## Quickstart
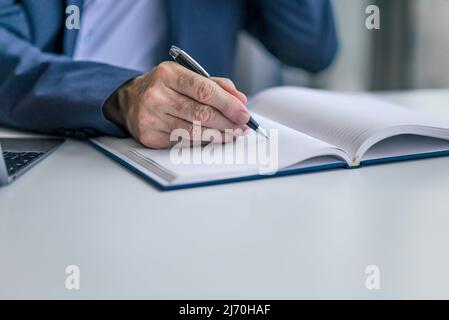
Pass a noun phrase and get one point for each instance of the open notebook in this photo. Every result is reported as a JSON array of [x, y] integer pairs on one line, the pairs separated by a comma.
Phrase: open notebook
[[313, 130]]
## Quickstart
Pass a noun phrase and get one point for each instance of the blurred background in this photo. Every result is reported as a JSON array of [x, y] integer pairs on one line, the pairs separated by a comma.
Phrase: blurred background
[[410, 51]]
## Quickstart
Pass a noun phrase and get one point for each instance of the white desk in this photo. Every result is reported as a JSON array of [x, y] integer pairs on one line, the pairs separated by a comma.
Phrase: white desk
[[306, 236]]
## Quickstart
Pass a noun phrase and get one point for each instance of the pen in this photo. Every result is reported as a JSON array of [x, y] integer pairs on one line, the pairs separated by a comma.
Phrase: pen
[[188, 62]]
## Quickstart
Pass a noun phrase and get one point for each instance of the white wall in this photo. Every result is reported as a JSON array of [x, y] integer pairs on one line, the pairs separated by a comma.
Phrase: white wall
[[430, 60]]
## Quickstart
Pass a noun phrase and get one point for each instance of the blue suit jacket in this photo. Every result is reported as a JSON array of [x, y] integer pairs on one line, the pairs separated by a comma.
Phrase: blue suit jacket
[[42, 89]]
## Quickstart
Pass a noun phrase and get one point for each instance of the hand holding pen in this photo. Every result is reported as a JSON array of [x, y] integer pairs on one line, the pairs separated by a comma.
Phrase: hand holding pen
[[188, 62], [172, 97]]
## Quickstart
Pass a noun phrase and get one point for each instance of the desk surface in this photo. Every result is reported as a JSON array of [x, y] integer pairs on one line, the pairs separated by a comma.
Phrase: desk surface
[[306, 236]]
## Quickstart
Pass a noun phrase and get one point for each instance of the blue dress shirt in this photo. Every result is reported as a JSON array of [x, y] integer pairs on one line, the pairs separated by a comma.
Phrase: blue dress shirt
[[126, 33]]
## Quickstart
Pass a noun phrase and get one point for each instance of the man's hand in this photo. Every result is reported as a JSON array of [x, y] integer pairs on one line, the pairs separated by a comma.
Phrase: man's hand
[[171, 97]]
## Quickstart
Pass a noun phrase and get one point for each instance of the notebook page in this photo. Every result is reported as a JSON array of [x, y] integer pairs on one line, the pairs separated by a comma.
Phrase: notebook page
[[404, 145], [286, 148], [346, 121]]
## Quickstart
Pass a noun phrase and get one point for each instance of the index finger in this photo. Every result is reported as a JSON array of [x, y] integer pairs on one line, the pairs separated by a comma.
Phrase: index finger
[[207, 92], [229, 86]]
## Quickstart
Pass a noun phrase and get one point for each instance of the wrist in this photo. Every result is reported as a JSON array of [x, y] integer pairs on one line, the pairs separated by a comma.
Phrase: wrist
[[113, 108]]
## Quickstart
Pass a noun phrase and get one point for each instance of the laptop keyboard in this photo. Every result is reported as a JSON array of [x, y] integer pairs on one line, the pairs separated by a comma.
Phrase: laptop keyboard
[[16, 161]]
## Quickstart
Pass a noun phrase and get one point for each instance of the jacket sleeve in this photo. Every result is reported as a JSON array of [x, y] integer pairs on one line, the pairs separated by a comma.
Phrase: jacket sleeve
[[300, 33], [51, 93]]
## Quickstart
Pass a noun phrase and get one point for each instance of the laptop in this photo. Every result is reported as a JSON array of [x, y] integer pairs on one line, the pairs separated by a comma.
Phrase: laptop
[[17, 156]]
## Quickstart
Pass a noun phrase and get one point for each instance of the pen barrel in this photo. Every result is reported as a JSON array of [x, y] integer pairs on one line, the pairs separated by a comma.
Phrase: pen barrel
[[187, 64]]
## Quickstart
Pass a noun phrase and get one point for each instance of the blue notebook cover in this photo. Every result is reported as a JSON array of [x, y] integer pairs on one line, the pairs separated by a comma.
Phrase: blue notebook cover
[[406, 158]]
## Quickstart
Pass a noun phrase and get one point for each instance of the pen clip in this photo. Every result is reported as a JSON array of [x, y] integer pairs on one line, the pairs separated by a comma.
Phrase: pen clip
[[178, 54]]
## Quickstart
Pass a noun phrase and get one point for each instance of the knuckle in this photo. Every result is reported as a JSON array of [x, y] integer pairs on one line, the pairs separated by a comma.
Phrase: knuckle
[[157, 72], [164, 67], [163, 70], [151, 95], [203, 114], [205, 91]]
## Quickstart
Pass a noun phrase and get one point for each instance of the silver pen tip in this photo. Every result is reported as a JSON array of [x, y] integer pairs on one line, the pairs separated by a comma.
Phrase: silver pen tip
[[262, 132]]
